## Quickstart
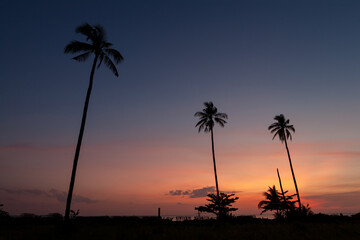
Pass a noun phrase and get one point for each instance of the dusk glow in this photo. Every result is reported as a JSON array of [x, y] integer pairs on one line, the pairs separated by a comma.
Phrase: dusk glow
[[141, 150]]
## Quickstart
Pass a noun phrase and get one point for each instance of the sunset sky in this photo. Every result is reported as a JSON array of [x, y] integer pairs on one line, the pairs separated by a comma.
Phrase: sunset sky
[[141, 150]]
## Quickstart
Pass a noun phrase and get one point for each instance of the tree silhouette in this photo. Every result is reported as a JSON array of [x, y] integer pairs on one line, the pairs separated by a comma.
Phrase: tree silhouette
[[275, 202], [98, 46], [283, 130], [208, 117], [219, 205]]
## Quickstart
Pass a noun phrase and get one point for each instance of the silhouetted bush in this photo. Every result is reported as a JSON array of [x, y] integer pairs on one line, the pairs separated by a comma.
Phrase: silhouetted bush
[[220, 206]]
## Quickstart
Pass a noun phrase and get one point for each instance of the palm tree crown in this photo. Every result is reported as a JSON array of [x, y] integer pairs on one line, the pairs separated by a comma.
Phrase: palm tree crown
[[97, 45], [209, 116], [281, 128]]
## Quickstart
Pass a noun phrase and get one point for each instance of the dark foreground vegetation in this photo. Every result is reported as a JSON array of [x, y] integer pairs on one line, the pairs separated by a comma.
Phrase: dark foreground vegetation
[[317, 226]]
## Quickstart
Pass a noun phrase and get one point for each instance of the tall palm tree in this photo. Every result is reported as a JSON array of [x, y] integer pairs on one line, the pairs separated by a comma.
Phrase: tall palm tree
[[98, 46], [283, 130], [208, 117]]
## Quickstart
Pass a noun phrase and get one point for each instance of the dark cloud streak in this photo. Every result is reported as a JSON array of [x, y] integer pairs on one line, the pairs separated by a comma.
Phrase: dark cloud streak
[[196, 193], [344, 199], [53, 193]]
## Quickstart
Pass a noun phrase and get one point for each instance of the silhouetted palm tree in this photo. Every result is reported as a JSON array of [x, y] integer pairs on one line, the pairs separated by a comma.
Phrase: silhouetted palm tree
[[282, 129], [98, 46], [274, 202], [208, 117]]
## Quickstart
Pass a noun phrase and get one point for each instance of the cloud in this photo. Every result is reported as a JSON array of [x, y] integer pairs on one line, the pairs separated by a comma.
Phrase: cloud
[[62, 196], [176, 192], [34, 192], [195, 193], [344, 199], [53, 193], [201, 192]]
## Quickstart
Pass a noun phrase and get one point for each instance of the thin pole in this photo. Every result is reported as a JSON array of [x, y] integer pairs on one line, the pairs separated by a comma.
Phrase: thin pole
[[282, 191]]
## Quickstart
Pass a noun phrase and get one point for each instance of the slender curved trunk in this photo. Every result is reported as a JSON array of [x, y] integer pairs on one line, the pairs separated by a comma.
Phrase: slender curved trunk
[[216, 180], [78, 146], [213, 153], [293, 175], [282, 191]]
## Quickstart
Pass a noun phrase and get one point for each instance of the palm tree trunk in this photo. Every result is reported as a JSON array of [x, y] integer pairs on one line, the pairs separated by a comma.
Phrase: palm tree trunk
[[293, 174], [213, 153], [282, 191], [78, 146]]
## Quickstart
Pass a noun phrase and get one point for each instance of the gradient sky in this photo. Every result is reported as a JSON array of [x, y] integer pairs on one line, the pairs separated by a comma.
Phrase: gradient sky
[[141, 151]]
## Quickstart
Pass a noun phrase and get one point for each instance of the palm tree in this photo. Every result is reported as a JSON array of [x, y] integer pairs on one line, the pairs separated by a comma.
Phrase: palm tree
[[274, 202], [283, 130], [208, 117], [98, 46]]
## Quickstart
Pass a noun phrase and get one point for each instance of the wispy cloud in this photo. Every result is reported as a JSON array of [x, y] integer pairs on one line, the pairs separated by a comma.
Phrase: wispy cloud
[[52, 193], [61, 197], [343, 199], [197, 192]]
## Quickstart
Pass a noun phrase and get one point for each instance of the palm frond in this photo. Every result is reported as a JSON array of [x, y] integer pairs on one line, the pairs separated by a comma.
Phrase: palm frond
[[86, 30], [200, 114], [114, 54], [100, 32], [263, 202], [101, 58], [106, 44], [274, 125], [277, 133], [201, 127], [220, 121], [221, 115], [291, 127], [288, 134], [275, 129], [110, 65], [82, 57], [76, 46]]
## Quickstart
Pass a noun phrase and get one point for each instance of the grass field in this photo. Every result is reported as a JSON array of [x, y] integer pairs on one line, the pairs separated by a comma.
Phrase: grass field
[[151, 228]]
